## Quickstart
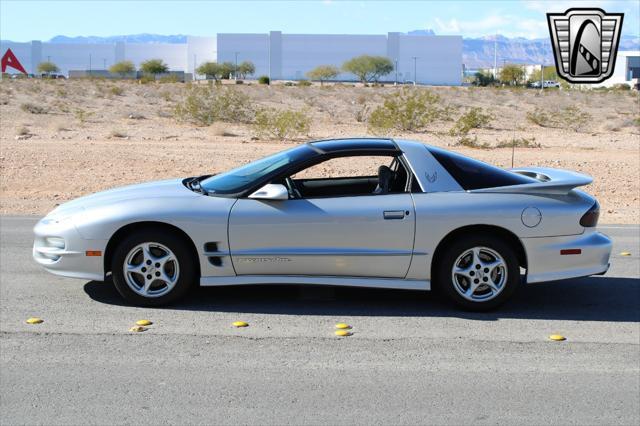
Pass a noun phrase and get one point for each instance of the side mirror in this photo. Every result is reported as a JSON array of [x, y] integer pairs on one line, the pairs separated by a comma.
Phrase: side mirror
[[271, 191]]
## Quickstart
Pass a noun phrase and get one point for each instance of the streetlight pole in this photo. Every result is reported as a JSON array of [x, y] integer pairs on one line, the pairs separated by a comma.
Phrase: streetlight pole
[[495, 57], [396, 83], [415, 68]]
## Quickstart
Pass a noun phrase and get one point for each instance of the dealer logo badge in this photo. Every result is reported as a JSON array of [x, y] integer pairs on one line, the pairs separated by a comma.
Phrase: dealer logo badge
[[585, 43]]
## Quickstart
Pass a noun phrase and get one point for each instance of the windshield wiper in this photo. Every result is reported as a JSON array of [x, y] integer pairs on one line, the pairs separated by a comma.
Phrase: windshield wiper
[[194, 185]]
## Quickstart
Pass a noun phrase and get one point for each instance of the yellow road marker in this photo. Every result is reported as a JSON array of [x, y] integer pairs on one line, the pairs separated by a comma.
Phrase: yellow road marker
[[625, 253], [343, 326], [343, 333], [240, 324], [144, 322], [137, 329], [34, 320], [557, 337]]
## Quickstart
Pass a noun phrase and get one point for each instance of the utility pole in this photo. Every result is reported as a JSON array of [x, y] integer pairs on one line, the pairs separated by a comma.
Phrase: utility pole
[[235, 70], [48, 58], [541, 77], [89, 63], [415, 76], [104, 63], [396, 83]]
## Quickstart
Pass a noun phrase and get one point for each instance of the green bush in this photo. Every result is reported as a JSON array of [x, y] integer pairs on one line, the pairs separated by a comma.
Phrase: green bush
[[154, 66], [368, 68], [483, 79], [472, 119], [323, 73], [212, 70], [264, 79], [123, 68], [277, 124], [147, 78], [206, 105], [303, 83], [245, 69], [47, 67], [408, 110]]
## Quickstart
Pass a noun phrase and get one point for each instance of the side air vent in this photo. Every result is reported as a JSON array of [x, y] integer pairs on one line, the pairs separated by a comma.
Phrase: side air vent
[[215, 260], [212, 253], [210, 247]]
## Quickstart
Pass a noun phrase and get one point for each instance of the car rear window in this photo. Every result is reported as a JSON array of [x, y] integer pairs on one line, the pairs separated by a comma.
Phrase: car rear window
[[474, 174]]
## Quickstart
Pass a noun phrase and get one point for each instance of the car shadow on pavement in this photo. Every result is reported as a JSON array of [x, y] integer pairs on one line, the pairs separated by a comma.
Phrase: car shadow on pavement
[[591, 299]]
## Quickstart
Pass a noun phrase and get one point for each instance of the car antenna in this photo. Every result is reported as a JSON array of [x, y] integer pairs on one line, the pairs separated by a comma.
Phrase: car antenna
[[513, 148]]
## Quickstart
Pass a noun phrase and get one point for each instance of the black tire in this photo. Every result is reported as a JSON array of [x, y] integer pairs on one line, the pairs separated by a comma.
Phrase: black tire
[[186, 266], [445, 281]]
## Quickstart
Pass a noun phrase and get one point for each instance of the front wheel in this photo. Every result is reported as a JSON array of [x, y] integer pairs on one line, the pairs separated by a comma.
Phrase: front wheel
[[152, 269], [478, 273]]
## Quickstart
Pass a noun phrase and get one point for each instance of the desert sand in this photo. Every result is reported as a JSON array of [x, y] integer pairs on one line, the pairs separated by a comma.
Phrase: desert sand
[[89, 136]]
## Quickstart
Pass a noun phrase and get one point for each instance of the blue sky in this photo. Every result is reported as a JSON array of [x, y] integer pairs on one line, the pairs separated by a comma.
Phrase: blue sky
[[23, 20]]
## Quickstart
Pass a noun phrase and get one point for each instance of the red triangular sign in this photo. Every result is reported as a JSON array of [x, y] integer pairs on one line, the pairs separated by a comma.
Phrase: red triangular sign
[[10, 60]]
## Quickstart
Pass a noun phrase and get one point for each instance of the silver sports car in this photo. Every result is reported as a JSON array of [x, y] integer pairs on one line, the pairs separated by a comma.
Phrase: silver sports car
[[429, 217]]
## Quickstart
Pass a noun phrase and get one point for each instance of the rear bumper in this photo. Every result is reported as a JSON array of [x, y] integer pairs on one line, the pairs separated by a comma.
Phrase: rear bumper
[[545, 263]]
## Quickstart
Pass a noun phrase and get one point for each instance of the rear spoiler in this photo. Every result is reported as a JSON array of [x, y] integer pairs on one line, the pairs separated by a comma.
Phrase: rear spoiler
[[550, 181]]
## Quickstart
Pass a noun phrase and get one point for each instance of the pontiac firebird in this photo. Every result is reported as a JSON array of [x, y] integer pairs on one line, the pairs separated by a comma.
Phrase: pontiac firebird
[[429, 218]]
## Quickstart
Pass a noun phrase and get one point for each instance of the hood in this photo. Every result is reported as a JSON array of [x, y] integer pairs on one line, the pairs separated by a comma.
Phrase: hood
[[172, 188]]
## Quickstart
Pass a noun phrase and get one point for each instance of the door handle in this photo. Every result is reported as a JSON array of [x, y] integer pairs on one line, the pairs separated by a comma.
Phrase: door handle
[[394, 214]]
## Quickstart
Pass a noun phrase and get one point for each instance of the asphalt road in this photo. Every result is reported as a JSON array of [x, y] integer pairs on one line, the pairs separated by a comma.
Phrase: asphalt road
[[412, 359]]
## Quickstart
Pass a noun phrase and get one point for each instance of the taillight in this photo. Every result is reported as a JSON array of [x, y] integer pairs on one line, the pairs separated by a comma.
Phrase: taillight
[[590, 218]]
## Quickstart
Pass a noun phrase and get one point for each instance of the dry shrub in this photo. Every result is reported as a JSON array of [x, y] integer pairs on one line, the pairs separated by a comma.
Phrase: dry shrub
[[33, 108], [570, 117], [474, 118], [407, 110], [281, 125], [117, 134], [519, 143], [206, 105]]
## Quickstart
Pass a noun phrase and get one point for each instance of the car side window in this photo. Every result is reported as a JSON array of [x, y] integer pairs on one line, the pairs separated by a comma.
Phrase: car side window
[[350, 176]]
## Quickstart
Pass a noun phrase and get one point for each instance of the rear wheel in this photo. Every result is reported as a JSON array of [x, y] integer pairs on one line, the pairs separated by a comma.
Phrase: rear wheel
[[152, 270], [478, 273]]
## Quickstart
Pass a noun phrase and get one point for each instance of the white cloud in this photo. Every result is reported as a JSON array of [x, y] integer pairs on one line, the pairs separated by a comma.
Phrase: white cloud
[[488, 25], [509, 26], [562, 5]]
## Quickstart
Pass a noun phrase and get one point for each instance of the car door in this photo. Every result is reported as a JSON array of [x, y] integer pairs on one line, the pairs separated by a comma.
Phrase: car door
[[356, 236]]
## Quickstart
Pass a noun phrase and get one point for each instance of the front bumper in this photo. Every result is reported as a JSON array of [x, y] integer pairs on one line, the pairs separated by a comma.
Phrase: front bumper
[[61, 250], [546, 263]]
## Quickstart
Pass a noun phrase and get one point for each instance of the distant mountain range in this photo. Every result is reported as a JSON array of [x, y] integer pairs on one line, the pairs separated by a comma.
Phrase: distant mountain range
[[476, 52]]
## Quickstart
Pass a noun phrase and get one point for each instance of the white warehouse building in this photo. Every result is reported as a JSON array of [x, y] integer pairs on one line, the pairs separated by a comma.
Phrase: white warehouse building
[[427, 59]]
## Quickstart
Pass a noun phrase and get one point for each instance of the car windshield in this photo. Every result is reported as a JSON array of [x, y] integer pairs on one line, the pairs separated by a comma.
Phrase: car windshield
[[237, 180]]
